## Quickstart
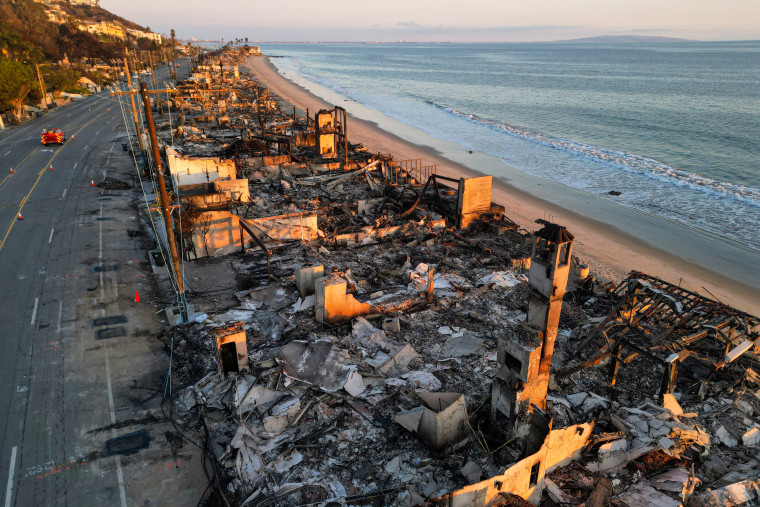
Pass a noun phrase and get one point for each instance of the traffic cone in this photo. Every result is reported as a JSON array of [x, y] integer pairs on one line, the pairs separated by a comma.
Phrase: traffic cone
[[88, 109], [92, 183], [109, 109], [51, 167], [72, 137], [137, 297], [11, 170], [19, 216]]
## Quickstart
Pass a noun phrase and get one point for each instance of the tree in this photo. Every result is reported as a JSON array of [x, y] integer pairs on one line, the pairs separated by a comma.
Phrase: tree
[[15, 85], [61, 79]]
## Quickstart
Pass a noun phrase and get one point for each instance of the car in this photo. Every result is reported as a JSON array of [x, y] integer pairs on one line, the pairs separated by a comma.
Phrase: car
[[53, 136]]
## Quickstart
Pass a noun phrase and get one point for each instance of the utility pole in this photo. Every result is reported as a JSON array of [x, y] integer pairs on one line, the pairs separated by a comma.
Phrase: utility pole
[[174, 68], [181, 302], [153, 75], [134, 108], [42, 87]]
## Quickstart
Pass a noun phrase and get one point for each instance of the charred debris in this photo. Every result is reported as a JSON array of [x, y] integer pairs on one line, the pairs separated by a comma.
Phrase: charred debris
[[365, 331]]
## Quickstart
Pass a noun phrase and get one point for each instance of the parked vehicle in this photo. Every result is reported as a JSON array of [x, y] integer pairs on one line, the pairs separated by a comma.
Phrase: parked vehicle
[[53, 136]]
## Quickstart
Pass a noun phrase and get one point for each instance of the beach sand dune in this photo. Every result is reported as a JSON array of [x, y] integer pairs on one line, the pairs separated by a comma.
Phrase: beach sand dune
[[626, 240]]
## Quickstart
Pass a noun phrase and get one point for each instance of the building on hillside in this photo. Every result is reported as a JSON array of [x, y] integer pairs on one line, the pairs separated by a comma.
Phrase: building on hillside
[[88, 84], [138, 34], [103, 28], [55, 14]]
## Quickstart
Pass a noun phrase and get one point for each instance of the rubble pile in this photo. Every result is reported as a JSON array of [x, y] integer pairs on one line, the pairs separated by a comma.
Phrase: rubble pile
[[390, 337]]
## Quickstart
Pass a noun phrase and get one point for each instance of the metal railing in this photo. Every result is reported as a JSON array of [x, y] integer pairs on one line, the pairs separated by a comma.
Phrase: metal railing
[[407, 172]]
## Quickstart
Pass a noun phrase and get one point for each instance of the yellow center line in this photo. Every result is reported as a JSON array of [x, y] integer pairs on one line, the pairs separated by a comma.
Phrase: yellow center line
[[39, 177], [20, 164]]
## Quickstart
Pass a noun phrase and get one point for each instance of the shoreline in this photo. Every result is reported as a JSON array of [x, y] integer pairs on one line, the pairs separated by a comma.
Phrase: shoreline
[[612, 248]]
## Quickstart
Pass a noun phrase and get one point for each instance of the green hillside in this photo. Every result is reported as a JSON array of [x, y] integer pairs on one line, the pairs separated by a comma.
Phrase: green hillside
[[55, 36]]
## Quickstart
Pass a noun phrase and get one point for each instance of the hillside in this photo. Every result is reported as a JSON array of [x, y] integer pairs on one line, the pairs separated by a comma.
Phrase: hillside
[[67, 42], [96, 14]]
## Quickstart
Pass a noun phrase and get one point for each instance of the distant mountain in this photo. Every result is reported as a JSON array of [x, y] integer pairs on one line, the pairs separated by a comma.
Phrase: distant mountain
[[626, 38]]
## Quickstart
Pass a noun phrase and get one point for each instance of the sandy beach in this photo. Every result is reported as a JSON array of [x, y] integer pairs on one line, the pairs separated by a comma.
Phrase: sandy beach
[[612, 239]]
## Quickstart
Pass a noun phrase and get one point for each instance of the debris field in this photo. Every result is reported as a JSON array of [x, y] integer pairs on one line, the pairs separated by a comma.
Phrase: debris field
[[364, 331]]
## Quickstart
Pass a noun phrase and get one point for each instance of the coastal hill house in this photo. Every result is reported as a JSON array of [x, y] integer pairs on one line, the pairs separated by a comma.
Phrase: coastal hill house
[[94, 3], [56, 13], [103, 28]]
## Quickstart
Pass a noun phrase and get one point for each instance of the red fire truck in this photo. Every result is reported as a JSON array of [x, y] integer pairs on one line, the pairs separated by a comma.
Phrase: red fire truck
[[50, 136]]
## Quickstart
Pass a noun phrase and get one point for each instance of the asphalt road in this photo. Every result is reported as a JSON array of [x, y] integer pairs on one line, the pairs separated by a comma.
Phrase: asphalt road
[[63, 390]]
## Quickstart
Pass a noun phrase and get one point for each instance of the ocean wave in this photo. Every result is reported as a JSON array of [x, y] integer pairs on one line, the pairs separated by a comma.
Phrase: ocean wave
[[622, 160]]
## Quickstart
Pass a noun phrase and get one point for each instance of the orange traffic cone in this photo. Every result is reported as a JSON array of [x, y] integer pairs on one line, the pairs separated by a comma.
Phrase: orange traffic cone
[[109, 109], [72, 137], [137, 297], [88, 109], [19, 216], [51, 167], [92, 183], [11, 170]]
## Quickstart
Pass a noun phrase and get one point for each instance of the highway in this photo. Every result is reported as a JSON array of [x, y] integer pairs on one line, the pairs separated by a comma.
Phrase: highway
[[65, 387]]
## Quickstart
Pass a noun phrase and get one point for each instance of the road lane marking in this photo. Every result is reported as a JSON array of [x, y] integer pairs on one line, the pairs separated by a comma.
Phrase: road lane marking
[[17, 133], [34, 312], [11, 472], [75, 164], [119, 473], [64, 193], [19, 164], [60, 316], [7, 154], [50, 239], [39, 176], [85, 147], [68, 115]]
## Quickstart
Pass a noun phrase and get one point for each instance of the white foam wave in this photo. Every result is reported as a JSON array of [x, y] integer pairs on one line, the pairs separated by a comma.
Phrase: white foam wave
[[626, 161]]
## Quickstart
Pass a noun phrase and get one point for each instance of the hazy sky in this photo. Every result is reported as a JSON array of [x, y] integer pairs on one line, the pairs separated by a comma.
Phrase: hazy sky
[[443, 20]]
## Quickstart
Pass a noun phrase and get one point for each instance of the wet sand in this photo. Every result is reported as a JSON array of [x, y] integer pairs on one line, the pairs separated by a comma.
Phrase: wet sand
[[611, 238]]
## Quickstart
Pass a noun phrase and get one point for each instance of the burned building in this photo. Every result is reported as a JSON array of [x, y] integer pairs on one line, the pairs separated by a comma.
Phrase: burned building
[[387, 335]]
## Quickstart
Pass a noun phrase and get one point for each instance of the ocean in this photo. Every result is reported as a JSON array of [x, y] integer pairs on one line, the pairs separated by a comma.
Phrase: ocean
[[674, 127]]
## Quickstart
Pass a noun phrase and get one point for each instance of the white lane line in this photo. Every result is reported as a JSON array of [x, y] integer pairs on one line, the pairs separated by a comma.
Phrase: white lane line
[[68, 115], [110, 391], [60, 316], [100, 235], [109, 153], [119, 473], [100, 256], [85, 147], [64, 193], [11, 472], [7, 154], [30, 137], [34, 312], [75, 165], [50, 239]]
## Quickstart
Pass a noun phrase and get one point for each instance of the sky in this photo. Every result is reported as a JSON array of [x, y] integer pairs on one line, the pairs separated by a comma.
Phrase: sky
[[443, 20]]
